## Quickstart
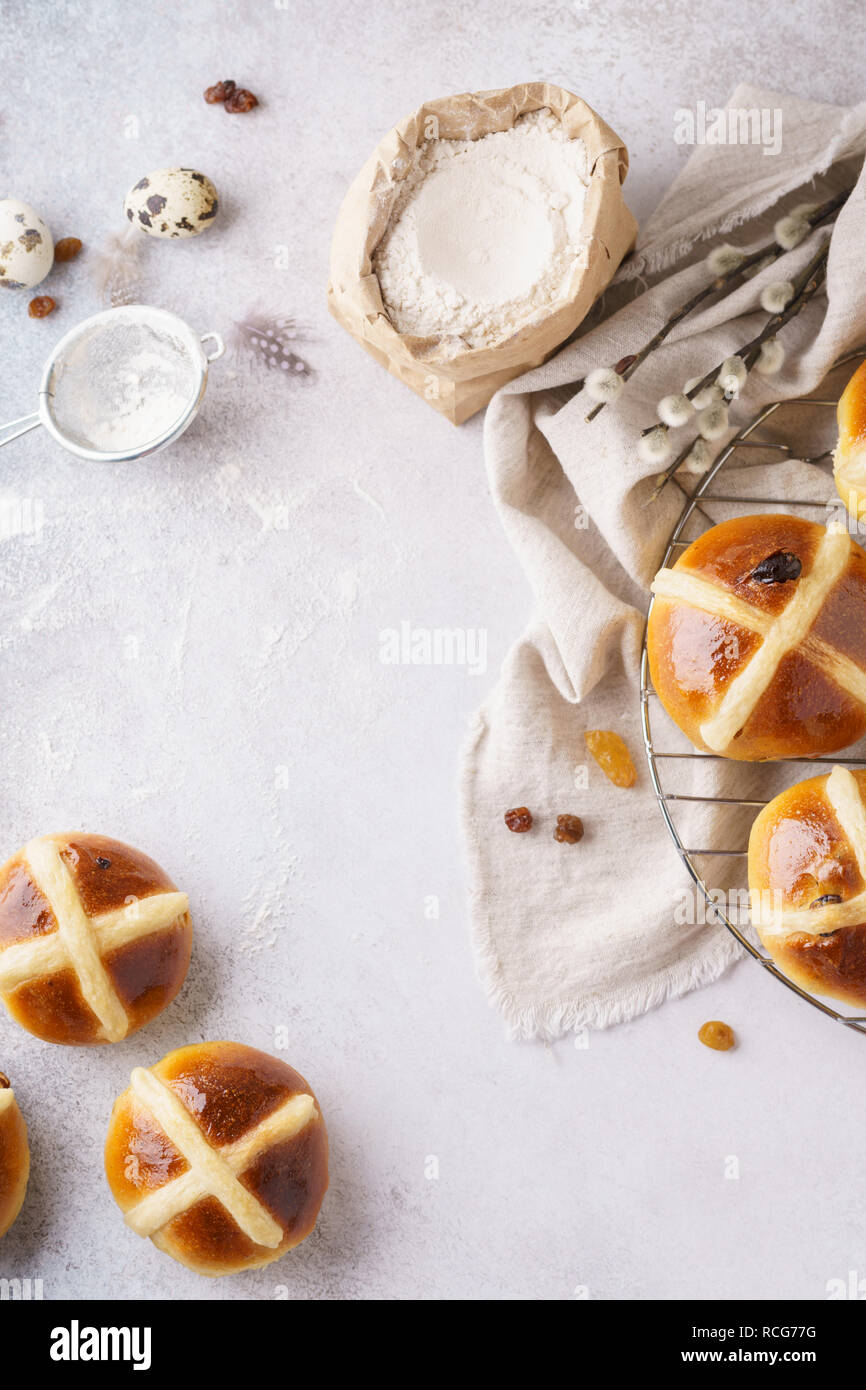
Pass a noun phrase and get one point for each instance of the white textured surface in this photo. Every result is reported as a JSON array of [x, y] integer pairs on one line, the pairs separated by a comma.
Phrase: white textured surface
[[189, 633]]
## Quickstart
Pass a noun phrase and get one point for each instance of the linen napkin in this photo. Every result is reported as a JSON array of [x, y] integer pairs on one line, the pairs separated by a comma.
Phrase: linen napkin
[[574, 936]]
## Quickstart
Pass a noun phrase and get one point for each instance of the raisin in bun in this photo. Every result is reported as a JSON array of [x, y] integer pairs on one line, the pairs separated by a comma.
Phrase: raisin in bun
[[849, 459], [757, 639], [14, 1156], [219, 1153], [94, 938], [807, 879]]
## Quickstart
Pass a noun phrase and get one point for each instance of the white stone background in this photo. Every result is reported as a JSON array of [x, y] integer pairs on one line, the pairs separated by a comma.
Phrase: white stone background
[[252, 568]]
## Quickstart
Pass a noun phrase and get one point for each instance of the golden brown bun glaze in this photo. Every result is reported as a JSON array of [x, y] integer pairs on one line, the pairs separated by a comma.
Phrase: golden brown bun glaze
[[230, 1092], [695, 655], [43, 990], [799, 854], [849, 460], [14, 1156]]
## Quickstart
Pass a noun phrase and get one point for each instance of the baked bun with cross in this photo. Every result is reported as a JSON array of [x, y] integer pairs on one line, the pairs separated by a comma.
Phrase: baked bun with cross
[[757, 639], [807, 882], [94, 938], [849, 458], [14, 1156], [219, 1153]]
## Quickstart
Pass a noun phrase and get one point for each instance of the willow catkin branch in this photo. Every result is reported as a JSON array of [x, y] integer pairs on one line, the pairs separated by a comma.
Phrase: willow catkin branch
[[671, 470], [805, 286], [770, 253]]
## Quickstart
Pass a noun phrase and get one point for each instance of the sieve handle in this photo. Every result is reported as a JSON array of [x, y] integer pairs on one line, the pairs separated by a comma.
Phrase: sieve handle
[[219, 346], [16, 427]]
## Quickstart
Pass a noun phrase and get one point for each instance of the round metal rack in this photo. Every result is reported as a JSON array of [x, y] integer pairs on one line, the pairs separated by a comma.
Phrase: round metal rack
[[672, 801]]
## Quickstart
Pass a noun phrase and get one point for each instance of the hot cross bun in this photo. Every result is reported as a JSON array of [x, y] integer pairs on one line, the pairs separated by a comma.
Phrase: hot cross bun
[[849, 459], [757, 639], [219, 1153], [807, 878], [14, 1156], [94, 938]]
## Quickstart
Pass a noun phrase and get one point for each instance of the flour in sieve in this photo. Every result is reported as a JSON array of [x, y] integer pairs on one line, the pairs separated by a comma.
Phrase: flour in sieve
[[485, 234], [121, 386]]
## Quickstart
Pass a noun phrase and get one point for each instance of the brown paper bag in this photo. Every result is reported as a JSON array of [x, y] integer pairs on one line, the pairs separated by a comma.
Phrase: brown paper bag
[[460, 384]]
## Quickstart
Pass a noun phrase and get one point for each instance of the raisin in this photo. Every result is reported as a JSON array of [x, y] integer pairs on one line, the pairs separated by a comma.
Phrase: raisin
[[103, 863], [779, 568], [718, 1036], [41, 306], [569, 829], [5, 1083], [67, 248], [519, 819], [241, 100], [219, 92], [827, 898], [612, 756]]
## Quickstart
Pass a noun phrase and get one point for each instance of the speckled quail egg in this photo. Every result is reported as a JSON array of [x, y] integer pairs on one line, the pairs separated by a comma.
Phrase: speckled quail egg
[[26, 247], [172, 203]]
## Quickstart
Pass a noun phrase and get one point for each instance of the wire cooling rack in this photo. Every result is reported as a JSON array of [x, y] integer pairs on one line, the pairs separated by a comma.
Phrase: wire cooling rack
[[670, 801]]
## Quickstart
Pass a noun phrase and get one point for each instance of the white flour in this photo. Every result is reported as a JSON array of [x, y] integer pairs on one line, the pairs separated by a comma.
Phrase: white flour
[[122, 386], [484, 233]]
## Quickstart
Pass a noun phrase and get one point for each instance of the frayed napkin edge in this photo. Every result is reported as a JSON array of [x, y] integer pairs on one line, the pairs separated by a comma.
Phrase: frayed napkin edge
[[556, 1018]]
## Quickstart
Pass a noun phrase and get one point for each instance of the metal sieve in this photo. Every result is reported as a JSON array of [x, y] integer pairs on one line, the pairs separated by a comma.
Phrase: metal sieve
[[167, 331]]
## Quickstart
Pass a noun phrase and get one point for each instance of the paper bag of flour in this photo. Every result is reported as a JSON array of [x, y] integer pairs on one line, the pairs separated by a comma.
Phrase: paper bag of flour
[[460, 382]]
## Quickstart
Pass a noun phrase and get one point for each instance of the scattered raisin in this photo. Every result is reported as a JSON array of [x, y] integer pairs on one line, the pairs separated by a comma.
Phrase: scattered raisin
[[103, 863], [569, 829], [5, 1083], [827, 898], [67, 248], [519, 819], [718, 1036], [612, 756], [778, 568], [240, 100], [219, 92], [41, 306]]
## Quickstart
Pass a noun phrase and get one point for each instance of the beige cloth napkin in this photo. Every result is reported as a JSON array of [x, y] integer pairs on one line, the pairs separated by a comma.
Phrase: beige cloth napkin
[[568, 937]]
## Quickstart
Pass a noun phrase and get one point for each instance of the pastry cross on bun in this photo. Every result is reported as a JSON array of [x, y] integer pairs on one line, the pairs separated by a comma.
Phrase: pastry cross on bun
[[94, 938], [14, 1156], [849, 459], [219, 1153], [807, 879], [757, 639]]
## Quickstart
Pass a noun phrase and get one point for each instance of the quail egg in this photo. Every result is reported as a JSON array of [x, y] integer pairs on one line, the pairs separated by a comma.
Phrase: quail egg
[[26, 247], [172, 203]]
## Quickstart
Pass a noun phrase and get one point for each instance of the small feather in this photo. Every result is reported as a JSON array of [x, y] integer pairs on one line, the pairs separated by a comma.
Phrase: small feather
[[270, 342], [117, 270]]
